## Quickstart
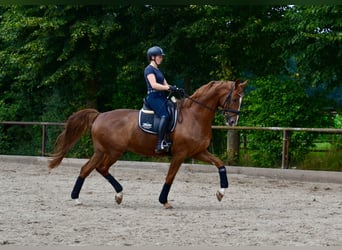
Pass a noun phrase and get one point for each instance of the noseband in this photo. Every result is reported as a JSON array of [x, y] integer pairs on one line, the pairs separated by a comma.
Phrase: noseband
[[226, 104]]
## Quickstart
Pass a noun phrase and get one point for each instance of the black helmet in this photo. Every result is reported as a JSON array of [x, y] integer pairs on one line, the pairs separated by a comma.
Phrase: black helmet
[[154, 51]]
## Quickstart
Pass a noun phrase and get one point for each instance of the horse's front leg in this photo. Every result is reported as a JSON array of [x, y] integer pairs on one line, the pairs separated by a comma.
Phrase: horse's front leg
[[208, 157], [175, 164]]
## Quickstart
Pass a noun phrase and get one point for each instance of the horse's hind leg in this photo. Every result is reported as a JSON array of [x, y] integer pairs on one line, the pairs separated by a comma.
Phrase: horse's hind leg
[[104, 171], [86, 169]]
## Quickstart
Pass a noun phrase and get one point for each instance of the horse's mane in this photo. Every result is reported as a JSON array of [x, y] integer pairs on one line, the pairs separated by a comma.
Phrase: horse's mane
[[198, 93]]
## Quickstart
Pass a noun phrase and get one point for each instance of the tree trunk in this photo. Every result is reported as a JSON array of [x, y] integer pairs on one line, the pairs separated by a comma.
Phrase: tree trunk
[[93, 88], [233, 147]]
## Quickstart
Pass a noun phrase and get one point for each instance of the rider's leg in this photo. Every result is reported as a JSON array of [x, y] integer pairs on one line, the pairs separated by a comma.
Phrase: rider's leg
[[158, 104], [161, 133]]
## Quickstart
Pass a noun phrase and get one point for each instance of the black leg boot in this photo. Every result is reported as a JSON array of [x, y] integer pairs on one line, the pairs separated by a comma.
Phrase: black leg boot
[[161, 134]]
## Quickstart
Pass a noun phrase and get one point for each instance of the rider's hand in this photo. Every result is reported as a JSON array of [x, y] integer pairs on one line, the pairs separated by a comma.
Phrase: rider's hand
[[178, 91], [181, 92], [173, 88]]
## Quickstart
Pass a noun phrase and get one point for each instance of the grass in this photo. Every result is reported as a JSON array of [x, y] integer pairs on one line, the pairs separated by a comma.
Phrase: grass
[[323, 146], [326, 161]]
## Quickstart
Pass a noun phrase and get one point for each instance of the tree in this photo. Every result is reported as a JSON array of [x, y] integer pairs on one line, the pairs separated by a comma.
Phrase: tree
[[59, 59], [298, 95], [311, 47], [281, 102], [52, 60]]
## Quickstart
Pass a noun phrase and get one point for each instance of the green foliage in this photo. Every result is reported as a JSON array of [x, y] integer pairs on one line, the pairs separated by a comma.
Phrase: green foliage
[[338, 121], [265, 148], [57, 59], [83, 148], [327, 161], [219, 138], [280, 102], [4, 142]]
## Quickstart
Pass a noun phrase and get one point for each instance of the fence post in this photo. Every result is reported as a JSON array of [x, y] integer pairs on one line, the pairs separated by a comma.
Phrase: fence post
[[43, 139], [285, 153]]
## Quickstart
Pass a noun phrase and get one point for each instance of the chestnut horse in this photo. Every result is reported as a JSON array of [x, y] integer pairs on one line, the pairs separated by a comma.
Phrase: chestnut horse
[[117, 131]]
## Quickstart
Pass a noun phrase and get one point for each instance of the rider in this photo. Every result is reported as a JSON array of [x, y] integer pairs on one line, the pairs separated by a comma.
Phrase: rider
[[157, 95]]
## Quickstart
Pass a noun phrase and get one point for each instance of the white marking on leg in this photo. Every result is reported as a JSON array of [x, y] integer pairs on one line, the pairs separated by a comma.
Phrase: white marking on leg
[[78, 202], [220, 194], [119, 197]]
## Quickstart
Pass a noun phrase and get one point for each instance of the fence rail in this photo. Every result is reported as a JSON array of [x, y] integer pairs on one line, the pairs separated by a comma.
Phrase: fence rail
[[285, 132], [42, 124], [286, 137]]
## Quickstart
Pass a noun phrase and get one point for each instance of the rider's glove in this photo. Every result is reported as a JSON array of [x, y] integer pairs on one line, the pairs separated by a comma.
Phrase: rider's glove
[[173, 88], [178, 91], [181, 92]]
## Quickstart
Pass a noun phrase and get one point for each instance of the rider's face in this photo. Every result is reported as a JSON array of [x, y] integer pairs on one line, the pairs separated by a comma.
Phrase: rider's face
[[159, 59]]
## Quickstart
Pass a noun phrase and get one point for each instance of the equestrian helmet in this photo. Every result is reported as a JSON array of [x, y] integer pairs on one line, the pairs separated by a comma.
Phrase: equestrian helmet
[[154, 51]]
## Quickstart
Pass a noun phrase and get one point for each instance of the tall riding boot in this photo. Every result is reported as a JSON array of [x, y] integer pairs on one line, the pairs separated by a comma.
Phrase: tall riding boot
[[161, 134]]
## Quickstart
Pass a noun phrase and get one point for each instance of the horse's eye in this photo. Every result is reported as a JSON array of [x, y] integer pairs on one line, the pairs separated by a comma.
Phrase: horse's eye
[[235, 100]]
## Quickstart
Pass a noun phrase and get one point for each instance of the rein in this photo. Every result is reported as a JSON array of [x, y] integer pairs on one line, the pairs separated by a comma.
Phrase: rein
[[222, 111], [199, 103]]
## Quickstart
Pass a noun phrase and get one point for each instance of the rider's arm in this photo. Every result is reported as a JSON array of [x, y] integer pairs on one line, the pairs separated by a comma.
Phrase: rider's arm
[[156, 86]]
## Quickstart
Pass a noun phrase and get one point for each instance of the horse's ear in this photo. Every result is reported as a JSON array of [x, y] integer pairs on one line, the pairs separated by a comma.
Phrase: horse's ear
[[237, 82], [242, 85]]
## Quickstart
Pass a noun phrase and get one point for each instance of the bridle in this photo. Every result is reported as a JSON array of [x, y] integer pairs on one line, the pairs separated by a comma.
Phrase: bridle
[[226, 103]]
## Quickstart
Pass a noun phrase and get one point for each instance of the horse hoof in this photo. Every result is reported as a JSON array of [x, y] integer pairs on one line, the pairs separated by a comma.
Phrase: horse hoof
[[118, 198], [78, 202], [219, 195], [168, 206]]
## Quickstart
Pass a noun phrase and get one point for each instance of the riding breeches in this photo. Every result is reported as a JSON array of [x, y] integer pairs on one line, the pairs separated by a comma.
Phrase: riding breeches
[[157, 101]]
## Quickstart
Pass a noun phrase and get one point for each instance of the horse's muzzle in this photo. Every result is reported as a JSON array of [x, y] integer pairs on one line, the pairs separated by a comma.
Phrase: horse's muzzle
[[231, 122]]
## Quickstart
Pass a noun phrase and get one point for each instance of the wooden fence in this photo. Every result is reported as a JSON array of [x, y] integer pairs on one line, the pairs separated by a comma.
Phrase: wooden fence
[[285, 132], [42, 124], [286, 136]]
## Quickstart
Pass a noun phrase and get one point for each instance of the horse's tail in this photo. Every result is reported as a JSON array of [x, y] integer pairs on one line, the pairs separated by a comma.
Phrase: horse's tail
[[76, 125]]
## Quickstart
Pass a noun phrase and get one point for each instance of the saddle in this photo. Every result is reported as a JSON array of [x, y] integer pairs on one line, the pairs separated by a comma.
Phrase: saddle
[[149, 121]]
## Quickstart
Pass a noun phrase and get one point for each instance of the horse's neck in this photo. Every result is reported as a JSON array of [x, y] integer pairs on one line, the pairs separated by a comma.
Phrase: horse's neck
[[203, 109]]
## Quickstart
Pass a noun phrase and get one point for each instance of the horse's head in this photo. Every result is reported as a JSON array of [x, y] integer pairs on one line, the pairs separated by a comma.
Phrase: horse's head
[[224, 94], [231, 103]]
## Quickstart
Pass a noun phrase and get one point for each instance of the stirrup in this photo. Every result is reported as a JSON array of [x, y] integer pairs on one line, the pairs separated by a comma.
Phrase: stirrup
[[164, 147]]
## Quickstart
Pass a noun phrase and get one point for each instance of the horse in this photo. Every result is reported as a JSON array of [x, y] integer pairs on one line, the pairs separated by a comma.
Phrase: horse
[[115, 132]]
